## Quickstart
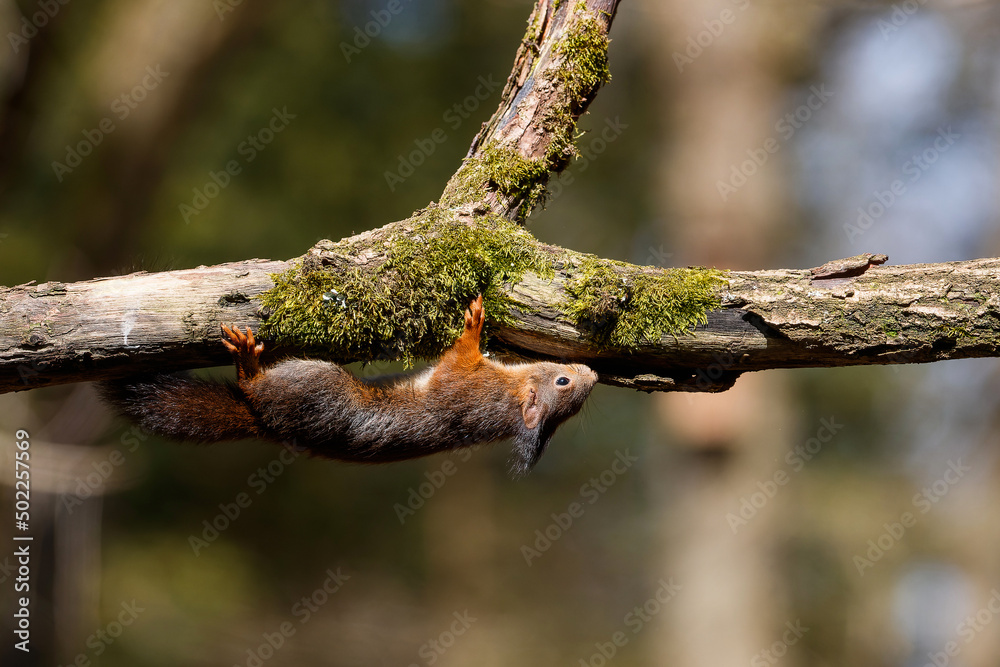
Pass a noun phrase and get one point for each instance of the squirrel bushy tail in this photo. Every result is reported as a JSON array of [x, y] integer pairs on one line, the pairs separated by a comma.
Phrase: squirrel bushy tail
[[184, 408]]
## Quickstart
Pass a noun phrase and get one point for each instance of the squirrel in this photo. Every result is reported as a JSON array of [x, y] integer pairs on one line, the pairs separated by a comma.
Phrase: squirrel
[[463, 400]]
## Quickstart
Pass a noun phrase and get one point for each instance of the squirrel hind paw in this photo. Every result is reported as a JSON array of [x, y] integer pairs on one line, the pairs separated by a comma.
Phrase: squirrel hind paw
[[238, 342]]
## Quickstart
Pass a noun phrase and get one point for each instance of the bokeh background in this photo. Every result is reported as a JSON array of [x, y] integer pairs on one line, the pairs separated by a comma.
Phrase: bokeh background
[[761, 526]]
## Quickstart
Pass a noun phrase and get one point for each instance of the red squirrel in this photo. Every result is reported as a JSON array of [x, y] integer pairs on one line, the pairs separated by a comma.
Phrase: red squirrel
[[464, 399]]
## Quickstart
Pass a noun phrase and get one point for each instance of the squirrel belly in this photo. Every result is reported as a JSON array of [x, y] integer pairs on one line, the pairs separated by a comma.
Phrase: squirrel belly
[[461, 401]]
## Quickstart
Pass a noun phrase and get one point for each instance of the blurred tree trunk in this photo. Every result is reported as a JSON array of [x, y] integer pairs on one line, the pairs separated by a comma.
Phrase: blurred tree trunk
[[720, 97], [182, 39]]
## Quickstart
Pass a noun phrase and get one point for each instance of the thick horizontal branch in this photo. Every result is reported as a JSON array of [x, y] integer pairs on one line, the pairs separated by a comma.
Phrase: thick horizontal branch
[[788, 319], [56, 333]]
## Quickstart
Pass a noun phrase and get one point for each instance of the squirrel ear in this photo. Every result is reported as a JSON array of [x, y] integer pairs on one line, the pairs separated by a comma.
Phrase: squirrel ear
[[530, 410]]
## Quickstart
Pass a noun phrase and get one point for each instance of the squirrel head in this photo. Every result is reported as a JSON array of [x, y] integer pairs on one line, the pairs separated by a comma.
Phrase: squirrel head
[[549, 395]]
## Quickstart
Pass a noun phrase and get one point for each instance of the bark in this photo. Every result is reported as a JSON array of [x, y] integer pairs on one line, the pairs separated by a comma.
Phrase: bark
[[787, 319], [55, 333], [110, 327]]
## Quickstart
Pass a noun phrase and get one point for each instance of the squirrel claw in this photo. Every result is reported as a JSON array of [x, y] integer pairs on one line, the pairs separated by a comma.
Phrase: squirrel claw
[[230, 339]]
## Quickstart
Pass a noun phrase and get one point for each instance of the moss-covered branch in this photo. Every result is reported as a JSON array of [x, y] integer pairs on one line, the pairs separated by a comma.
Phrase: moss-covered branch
[[398, 292], [561, 63]]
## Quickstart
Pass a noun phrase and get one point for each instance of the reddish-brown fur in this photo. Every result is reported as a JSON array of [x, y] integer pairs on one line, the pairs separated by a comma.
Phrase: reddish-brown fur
[[464, 399]]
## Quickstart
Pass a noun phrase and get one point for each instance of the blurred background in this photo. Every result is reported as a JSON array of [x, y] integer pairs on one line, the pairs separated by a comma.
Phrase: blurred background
[[808, 517]]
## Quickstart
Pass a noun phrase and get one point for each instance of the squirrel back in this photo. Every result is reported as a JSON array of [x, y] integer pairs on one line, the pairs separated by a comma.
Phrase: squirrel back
[[462, 400]]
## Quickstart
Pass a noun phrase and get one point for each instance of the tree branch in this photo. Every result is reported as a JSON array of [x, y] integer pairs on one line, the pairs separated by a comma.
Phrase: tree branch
[[56, 333], [398, 291]]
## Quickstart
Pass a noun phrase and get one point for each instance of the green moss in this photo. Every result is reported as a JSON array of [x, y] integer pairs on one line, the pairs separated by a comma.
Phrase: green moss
[[517, 178], [582, 69], [411, 305], [561, 128], [620, 305], [534, 31], [956, 332], [585, 48]]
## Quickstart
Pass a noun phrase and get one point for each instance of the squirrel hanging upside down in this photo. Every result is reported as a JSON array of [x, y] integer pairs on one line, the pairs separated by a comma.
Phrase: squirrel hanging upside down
[[462, 400]]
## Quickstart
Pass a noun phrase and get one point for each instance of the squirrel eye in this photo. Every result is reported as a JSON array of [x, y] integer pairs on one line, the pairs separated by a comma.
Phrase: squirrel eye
[[562, 381]]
